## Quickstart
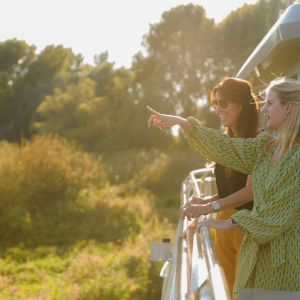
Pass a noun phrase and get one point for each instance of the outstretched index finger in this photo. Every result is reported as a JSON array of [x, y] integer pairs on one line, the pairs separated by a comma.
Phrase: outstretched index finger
[[153, 111]]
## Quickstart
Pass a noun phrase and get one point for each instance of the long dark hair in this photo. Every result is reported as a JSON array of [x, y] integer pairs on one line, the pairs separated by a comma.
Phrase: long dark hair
[[240, 91]]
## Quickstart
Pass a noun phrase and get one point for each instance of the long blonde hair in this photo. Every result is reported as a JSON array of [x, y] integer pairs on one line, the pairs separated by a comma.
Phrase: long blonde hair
[[288, 90]]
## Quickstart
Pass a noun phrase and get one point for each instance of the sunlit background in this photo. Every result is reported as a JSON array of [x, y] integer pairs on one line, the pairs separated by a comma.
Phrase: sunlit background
[[91, 27]]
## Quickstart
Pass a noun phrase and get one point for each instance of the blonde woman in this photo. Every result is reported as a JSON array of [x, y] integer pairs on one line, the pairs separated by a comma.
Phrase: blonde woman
[[269, 257]]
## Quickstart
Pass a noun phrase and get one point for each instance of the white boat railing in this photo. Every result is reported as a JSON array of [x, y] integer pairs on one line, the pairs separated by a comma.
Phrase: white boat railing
[[193, 271]]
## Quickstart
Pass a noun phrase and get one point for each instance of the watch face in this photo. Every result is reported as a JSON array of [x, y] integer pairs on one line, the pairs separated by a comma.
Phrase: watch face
[[215, 205]]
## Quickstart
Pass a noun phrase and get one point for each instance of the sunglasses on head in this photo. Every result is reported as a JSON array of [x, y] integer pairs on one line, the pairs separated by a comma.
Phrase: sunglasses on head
[[221, 102]]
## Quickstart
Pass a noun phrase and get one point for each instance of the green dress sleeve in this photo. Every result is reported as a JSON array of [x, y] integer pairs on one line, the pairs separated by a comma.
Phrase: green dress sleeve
[[271, 220], [277, 214], [238, 154]]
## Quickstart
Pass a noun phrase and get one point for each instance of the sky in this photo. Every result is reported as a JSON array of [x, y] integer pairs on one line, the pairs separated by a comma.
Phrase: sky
[[91, 27]]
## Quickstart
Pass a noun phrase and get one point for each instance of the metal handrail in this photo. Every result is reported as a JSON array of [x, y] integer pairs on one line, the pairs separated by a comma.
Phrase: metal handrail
[[217, 282], [194, 271]]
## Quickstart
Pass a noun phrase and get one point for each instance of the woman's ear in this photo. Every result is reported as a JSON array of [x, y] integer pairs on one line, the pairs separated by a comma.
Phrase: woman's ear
[[289, 107], [240, 106]]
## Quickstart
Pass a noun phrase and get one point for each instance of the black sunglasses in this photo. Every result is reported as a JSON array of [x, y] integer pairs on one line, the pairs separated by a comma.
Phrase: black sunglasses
[[221, 102]]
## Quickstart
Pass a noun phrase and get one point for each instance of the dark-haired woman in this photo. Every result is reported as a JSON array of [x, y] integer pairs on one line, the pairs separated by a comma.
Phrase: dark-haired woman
[[237, 108]]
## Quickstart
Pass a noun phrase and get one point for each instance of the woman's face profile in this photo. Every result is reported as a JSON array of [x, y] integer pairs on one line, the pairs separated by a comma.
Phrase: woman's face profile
[[229, 115], [274, 111]]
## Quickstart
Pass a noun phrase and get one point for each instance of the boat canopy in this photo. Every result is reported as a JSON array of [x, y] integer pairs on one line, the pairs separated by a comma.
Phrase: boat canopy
[[278, 54]]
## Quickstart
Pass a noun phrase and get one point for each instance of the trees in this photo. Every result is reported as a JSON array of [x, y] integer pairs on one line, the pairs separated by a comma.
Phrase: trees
[[181, 62], [25, 80], [15, 57], [104, 108]]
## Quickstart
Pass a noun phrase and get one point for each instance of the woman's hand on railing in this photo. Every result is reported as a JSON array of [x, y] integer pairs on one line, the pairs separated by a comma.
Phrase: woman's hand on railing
[[161, 120], [194, 211], [216, 224], [200, 201]]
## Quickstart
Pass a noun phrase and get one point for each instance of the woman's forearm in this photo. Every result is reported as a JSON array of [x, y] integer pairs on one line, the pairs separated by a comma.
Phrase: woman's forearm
[[232, 202], [184, 124], [213, 198], [239, 198]]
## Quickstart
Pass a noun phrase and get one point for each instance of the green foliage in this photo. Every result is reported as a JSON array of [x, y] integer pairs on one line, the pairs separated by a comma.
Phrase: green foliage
[[96, 113], [157, 171], [66, 233], [25, 79], [40, 183], [181, 65], [103, 108], [88, 270]]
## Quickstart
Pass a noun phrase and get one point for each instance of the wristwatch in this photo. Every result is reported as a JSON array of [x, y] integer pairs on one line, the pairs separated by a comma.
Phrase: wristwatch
[[234, 223], [216, 206]]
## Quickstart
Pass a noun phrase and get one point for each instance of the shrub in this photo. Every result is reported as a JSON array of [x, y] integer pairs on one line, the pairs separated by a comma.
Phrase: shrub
[[39, 181], [157, 171]]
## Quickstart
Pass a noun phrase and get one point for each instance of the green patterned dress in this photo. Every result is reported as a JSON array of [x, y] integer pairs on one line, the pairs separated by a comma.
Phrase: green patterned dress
[[269, 257]]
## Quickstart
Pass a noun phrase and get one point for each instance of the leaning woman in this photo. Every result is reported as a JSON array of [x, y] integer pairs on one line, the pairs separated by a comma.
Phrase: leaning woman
[[269, 257], [237, 108]]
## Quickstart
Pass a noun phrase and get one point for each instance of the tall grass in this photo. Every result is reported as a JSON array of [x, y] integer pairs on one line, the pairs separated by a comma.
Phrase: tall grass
[[115, 265]]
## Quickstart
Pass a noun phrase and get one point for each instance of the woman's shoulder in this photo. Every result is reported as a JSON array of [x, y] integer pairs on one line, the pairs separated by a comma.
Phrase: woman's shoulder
[[263, 136], [261, 131]]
